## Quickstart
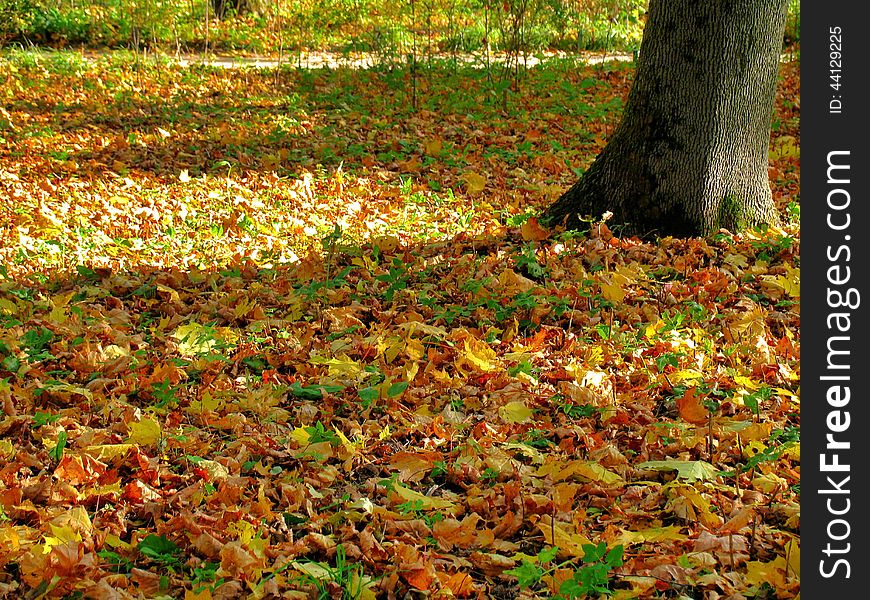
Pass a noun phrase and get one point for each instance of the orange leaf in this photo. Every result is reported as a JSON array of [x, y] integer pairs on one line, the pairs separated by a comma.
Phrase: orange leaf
[[740, 520], [692, 409], [532, 231], [460, 584]]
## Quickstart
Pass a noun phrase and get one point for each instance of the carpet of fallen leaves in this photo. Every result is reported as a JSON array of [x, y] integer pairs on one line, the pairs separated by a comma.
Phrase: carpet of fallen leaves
[[281, 334]]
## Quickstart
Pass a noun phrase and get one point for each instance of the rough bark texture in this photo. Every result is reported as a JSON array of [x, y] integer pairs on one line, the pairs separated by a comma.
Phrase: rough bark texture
[[690, 155]]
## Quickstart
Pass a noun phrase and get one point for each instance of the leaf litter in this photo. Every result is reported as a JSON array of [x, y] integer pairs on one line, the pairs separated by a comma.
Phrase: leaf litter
[[267, 333]]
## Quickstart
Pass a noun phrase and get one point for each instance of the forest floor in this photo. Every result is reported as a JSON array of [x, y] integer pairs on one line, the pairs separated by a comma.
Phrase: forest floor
[[297, 333]]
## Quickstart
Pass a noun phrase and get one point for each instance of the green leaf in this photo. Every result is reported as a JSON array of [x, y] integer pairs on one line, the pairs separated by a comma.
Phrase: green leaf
[[56, 453], [313, 392], [593, 553], [306, 392], [527, 574], [547, 554], [397, 389], [159, 548], [614, 557], [44, 418]]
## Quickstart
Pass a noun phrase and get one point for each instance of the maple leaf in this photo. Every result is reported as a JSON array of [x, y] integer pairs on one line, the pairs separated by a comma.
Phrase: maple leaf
[[515, 412], [145, 432], [480, 355], [475, 183], [690, 470], [532, 231], [560, 535], [421, 500], [691, 408]]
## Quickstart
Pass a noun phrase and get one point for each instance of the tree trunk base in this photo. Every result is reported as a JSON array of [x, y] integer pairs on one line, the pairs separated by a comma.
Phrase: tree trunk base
[[690, 154]]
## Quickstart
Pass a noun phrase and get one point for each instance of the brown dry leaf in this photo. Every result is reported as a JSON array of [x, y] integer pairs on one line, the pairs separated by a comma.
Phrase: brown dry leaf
[[413, 466], [415, 568], [687, 503], [740, 520], [463, 534], [492, 565]]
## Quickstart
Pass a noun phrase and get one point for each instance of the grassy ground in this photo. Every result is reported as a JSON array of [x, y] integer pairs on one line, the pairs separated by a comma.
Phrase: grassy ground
[[281, 332]]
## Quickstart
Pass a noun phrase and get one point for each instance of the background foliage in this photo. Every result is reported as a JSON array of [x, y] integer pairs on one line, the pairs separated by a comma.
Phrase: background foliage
[[273, 26]]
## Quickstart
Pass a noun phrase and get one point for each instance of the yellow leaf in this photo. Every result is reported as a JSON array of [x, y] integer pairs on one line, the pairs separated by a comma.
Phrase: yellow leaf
[[351, 448], [685, 375], [59, 536], [594, 472], [113, 541], [791, 281], [146, 432], [173, 295], [652, 330], [68, 527], [769, 483], [433, 147], [57, 315], [753, 448], [773, 573], [640, 588], [735, 260], [687, 503], [9, 539], [670, 533], [7, 450], [746, 382], [340, 366], [423, 501], [206, 405], [194, 338], [8, 307], [413, 466], [515, 412], [391, 347], [301, 436], [480, 355], [474, 183], [533, 453], [113, 352], [612, 292], [784, 146], [793, 557], [559, 535], [415, 350], [108, 451]]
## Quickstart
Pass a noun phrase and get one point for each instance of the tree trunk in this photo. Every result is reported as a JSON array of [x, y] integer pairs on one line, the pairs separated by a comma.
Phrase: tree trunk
[[222, 7], [690, 155]]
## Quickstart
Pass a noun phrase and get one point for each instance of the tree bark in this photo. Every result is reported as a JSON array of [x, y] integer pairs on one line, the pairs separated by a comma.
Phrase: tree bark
[[222, 7], [690, 154]]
